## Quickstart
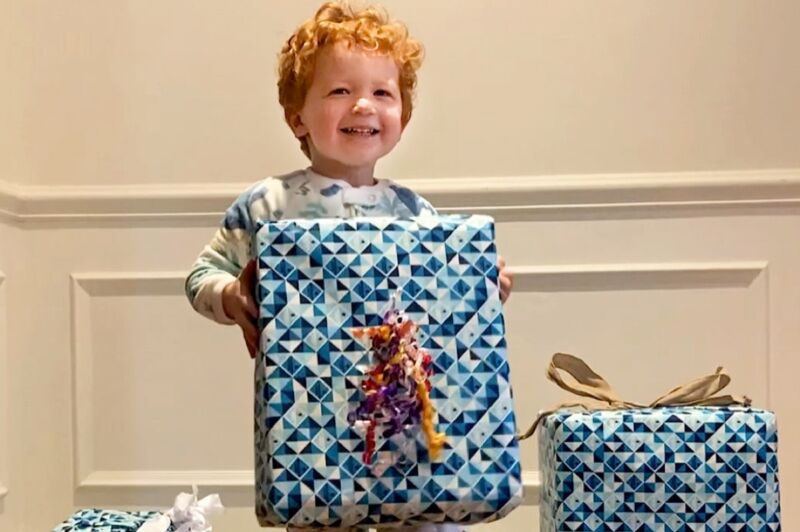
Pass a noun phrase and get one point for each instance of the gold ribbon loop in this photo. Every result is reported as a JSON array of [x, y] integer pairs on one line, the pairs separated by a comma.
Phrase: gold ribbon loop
[[696, 392], [586, 383]]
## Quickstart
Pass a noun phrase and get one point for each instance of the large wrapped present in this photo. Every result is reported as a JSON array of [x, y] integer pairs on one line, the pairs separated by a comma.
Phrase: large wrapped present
[[382, 385], [672, 468]]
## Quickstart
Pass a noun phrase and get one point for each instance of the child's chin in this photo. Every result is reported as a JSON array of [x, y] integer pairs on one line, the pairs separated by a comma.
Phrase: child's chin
[[361, 159], [361, 142], [361, 163]]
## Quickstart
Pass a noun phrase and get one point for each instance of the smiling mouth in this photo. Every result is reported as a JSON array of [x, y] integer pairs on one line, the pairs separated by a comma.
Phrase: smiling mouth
[[360, 131]]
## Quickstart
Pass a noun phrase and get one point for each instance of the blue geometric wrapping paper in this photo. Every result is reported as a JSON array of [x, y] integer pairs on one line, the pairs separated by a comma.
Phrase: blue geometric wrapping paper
[[319, 279], [664, 469], [97, 520]]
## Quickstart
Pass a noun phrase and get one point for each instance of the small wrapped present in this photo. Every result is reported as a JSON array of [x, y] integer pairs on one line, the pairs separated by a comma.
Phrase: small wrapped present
[[188, 514], [382, 385], [671, 465], [96, 520]]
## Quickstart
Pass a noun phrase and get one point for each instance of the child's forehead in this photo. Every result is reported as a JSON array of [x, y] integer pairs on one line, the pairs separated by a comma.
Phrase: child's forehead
[[343, 57], [344, 51]]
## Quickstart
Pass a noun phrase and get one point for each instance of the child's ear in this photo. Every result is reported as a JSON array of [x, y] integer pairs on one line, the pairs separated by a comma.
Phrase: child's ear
[[295, 122]]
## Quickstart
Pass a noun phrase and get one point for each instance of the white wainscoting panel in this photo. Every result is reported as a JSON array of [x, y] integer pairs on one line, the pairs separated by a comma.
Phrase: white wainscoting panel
[[147, 389]]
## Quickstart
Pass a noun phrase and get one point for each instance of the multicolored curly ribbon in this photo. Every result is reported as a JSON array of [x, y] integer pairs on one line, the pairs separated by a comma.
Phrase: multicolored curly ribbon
[[396, 389]]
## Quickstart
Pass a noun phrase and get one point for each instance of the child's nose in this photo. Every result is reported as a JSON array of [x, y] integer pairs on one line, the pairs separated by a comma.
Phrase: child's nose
[[363, 105]]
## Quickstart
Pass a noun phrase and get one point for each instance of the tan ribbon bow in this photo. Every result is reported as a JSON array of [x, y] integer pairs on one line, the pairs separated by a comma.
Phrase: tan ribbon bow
[[586, 383]]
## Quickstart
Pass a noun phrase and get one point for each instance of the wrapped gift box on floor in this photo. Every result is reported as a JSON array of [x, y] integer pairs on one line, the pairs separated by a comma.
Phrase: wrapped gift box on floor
[[317, 281], [96, 520], [187, 514], [672, 468]]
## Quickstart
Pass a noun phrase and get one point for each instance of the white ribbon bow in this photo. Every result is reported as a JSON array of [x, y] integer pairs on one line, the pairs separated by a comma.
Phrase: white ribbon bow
[[187, 515]]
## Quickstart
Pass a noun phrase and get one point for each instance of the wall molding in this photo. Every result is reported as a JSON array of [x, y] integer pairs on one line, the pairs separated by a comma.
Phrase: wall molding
[[83, 287], [654, 276], [636, 276], [222, 479], [513, 197]]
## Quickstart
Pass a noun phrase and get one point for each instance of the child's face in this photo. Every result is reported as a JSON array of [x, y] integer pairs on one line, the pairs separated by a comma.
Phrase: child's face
[[352, 111]]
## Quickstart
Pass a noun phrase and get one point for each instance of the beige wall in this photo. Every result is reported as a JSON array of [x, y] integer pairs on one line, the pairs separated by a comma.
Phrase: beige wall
[[653, 277], [183, 92]]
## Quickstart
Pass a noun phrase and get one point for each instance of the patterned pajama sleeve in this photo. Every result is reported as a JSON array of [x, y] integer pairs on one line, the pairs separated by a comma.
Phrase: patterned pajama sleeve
[[224, 257]]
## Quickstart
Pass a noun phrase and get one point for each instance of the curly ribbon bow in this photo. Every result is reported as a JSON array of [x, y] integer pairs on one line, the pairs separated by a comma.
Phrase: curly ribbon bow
[[397, 388], [586, 383], [187, 515]]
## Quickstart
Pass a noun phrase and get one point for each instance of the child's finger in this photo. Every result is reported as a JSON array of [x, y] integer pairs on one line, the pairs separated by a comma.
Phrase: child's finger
[[251, 345], [247, 280], [248, 326], [248, 275], [510, 280], [249, 304], [505, 287], [250, 334]]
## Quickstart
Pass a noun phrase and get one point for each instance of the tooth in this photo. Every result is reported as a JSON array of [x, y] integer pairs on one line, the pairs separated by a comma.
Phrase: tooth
[[364, 131]]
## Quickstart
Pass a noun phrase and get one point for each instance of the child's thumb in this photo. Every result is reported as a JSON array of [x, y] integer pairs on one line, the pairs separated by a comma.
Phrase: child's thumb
[[248, 273]]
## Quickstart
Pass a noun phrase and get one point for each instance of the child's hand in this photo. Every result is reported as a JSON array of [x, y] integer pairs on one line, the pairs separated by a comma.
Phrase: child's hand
[[506, 279], [240, 305]]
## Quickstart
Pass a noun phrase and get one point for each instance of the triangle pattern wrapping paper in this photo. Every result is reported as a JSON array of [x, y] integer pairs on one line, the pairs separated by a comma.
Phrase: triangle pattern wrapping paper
[[666, 469], [319, 279], [99, 520]]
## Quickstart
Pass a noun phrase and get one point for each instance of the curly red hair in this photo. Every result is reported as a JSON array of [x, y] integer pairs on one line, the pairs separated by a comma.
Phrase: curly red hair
[[369, 29]]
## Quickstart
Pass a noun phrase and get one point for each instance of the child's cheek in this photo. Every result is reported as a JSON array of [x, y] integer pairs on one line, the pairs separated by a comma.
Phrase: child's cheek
[[327, 118], [394, 112]]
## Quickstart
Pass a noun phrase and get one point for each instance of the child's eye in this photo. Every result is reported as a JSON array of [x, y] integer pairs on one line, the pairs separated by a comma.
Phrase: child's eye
[[382, 92], [338, 90]]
